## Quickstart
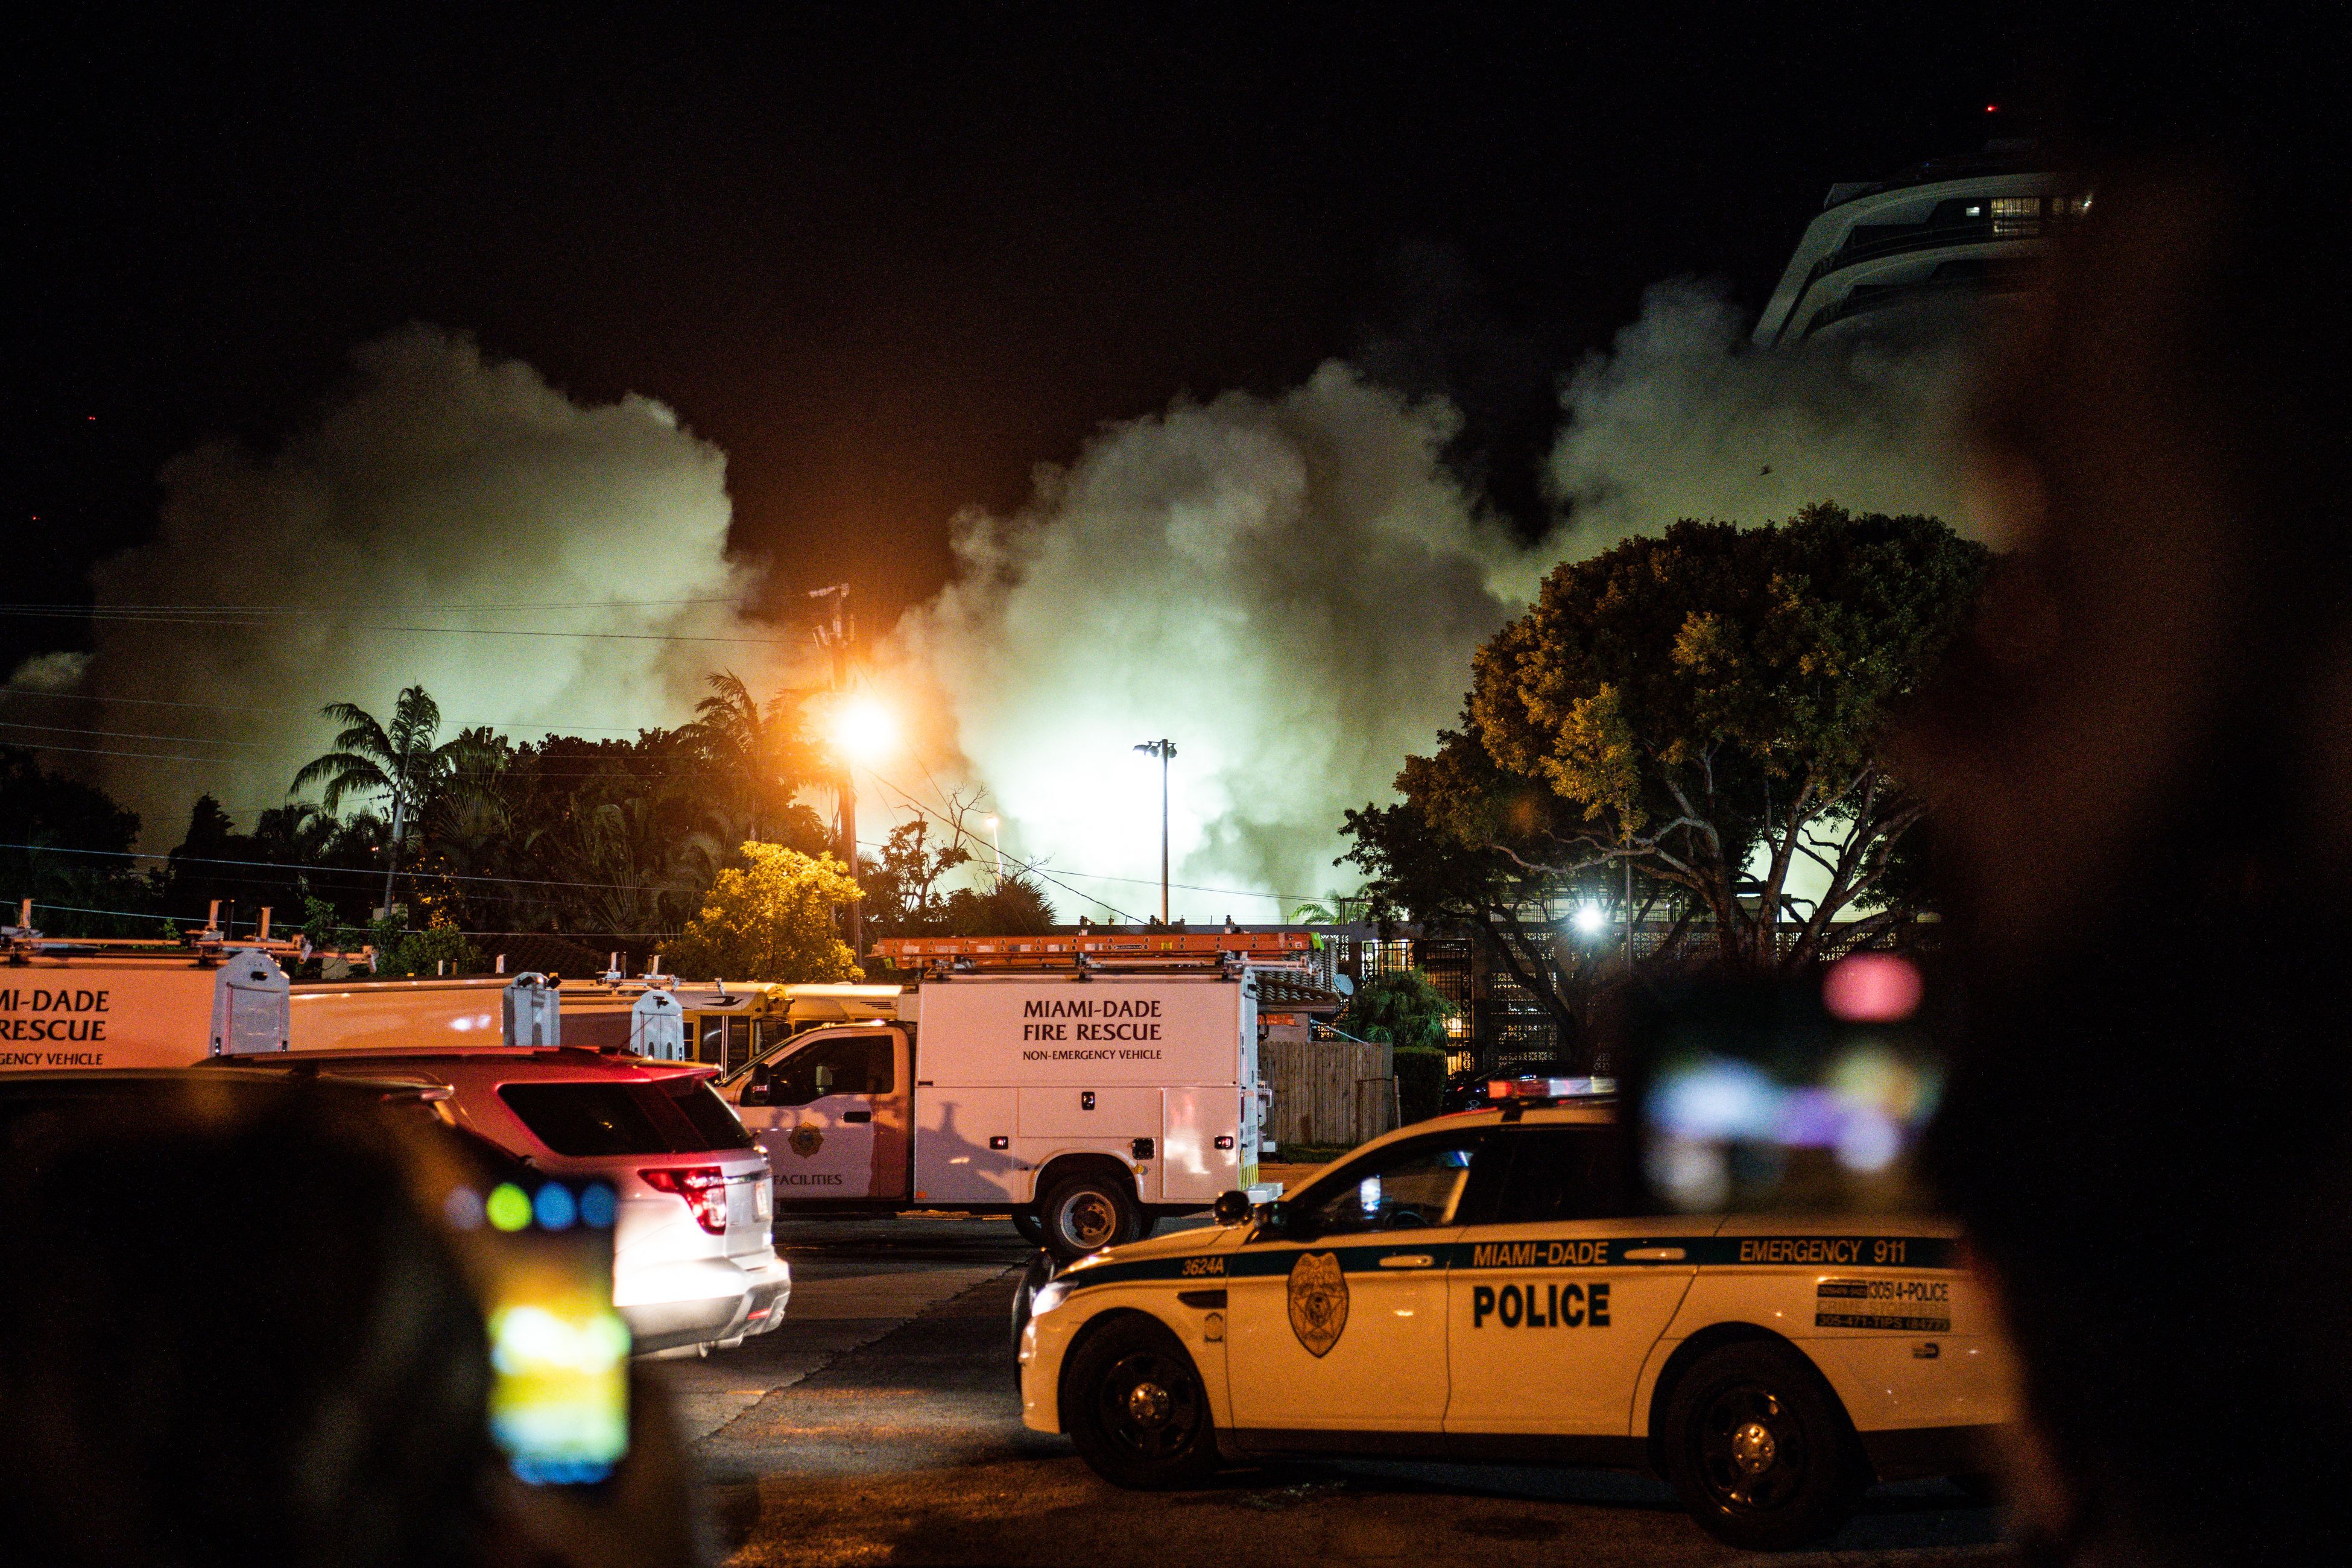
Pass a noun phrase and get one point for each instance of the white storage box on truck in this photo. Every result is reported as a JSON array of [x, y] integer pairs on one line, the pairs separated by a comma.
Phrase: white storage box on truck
[[1086, 1103]]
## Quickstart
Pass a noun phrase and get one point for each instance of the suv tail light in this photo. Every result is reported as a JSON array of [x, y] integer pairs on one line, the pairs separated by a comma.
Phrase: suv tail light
[[704, 1188]]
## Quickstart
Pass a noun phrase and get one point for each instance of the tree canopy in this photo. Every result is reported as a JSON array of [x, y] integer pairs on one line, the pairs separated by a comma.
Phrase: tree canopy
[[770, 919], [1705, 706]]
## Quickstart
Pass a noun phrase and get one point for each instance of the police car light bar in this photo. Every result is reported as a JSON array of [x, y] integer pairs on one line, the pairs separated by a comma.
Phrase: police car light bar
[[1531, 1087]]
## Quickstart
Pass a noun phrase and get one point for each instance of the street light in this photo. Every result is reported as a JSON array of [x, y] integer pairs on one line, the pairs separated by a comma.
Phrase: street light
[[1588, 919], [864, 730], [1165, 752]]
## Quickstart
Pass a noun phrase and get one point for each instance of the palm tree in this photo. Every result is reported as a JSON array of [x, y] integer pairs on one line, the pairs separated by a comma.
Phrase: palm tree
[[397, 762], [1333, 908], [761, 755]]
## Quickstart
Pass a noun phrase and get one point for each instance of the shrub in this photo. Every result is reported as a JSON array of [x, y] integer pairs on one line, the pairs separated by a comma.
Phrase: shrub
[[1401, 1008]]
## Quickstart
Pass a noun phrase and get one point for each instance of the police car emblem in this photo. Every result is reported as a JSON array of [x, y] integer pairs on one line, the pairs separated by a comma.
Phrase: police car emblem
[[806, 1140], [1318, 1301]]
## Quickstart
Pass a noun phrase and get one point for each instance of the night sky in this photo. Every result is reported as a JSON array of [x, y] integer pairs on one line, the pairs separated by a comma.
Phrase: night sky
[[891, 258]]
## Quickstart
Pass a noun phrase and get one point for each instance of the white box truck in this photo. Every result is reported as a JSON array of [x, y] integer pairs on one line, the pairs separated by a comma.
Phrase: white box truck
[[1086, 1103]]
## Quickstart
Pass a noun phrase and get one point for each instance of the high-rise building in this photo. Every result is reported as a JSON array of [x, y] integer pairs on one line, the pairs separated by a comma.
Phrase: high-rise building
[[1880, 249]]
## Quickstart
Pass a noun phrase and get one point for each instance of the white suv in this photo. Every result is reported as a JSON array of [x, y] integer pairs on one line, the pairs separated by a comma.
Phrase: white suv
[[694, 1262]]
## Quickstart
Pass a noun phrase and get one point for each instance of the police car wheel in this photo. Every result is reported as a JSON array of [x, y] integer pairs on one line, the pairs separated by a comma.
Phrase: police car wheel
[[1759, 1450], [1026, 1226], [1137, 1409], [1086, 1214]]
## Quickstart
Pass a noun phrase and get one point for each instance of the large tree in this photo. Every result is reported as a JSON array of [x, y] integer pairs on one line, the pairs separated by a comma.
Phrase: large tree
[[773, 918], [1706, 707]]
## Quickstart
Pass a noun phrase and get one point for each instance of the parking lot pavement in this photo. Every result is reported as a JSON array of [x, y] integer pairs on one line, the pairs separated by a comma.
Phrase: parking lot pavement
[[907, 1446], [853, 1282]]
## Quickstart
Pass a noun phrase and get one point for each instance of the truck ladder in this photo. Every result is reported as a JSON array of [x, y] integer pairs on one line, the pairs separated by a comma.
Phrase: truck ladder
[[1203, 948]]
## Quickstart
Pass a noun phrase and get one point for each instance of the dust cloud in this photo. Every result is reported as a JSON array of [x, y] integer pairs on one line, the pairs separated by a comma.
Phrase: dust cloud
[[443, 489], [1287, 587], [1683, 418]]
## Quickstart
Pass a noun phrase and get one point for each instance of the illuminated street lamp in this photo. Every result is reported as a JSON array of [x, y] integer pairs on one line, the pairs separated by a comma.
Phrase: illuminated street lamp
[[1165, 752], [864, 730]]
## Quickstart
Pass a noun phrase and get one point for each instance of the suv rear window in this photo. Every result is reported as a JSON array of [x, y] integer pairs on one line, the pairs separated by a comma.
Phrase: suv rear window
[[713, 1120], [584, 1119]]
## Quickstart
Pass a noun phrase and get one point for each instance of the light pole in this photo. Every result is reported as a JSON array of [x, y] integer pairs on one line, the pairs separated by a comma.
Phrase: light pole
[[1165, 752]]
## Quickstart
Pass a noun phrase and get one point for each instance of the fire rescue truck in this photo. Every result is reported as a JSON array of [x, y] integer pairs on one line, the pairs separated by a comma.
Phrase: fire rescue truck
[[97, 1003], [1084, 1085]]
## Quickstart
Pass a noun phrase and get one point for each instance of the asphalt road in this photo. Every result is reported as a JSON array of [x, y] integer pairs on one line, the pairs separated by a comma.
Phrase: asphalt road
[[879, 1425]]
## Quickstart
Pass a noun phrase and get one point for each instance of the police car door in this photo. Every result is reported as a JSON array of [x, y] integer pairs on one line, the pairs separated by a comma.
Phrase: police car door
[[830, 1111], [1339, 1324], [1556, 1293]]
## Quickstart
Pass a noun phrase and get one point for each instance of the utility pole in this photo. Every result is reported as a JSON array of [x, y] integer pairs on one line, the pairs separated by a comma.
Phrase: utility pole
[[836, 639], [1165, 752]]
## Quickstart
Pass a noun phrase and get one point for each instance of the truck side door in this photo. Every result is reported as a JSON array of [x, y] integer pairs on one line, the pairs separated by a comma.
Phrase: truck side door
[[830, 1109]]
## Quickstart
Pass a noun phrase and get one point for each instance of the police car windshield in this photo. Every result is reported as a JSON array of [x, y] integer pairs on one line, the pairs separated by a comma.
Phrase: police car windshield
[[1406, 1187]]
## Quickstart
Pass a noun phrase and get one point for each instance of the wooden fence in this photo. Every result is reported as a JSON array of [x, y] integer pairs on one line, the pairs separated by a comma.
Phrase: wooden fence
[[1327, 1091]]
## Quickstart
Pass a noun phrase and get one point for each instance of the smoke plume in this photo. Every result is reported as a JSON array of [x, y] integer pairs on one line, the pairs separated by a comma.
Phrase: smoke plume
[[442, 483], [1289, 589], [1684, 420]]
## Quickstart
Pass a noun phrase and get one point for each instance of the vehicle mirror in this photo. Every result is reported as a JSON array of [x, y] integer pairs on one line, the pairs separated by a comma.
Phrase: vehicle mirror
[[1231, 1208], [758, 1089], [823, 1077]]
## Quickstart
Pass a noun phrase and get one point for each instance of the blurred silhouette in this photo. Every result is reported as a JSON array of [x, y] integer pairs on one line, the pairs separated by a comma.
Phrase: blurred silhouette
[[2141, 766], [237, 1335]]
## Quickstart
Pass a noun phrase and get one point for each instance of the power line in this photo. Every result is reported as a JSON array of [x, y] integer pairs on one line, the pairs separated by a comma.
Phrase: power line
[[550, 725], [444, 631], [339, 870], [61, 606], [1035, 871], [117, 734]]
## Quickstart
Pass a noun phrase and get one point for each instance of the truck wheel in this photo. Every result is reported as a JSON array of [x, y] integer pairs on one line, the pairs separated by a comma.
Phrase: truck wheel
[[1085, 1214], [1026, 1226], [1759, 1449], [1135, 1406]]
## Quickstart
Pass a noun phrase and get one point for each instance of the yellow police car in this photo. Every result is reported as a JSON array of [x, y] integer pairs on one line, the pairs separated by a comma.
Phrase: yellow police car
[[1482, 1288]]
